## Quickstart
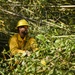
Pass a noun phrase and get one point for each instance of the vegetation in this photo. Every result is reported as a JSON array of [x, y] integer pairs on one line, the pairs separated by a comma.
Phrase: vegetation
[[51, 24]]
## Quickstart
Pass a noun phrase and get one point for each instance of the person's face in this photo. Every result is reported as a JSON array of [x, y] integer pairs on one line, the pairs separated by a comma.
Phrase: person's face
[[23, 30]]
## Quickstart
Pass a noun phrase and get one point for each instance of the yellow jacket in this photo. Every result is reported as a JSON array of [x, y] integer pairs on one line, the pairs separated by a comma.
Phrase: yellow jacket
[[19, 45]]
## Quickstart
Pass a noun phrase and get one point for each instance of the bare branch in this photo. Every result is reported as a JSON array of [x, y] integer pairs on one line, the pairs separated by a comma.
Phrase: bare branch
[[63, 36], [65, 6]]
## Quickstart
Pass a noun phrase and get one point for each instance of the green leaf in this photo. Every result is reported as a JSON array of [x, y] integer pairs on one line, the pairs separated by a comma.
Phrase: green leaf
[[41, 37]]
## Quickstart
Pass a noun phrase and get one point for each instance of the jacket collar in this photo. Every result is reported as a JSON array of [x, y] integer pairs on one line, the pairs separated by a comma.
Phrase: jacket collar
[[20, 39]]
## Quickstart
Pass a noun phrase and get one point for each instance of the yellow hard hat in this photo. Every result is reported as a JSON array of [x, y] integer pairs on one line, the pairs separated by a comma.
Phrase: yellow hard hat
[[22, 22]]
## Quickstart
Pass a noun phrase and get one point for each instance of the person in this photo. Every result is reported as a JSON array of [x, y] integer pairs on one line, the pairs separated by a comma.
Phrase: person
[[21, 41]]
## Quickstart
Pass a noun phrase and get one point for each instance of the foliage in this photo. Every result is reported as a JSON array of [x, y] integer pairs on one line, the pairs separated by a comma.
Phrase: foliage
[[58, 57], [52, 27], [55, 56]]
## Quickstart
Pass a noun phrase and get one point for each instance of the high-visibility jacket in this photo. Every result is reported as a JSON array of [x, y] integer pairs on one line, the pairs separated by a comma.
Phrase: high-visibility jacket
[[17, 44]]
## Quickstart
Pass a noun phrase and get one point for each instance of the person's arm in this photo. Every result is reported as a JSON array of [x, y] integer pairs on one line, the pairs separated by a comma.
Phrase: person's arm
[[14, 46], [33, 44]]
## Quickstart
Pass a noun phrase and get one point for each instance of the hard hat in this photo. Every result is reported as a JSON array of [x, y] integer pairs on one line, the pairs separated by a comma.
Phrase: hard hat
[[22, 22]]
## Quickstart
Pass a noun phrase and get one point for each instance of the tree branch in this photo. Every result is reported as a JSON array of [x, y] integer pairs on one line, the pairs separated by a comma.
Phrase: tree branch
[[64, 36], [14, 14]]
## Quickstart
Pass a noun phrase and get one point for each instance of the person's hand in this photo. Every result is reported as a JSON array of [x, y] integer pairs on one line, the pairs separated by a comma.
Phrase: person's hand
[[26, 53]]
